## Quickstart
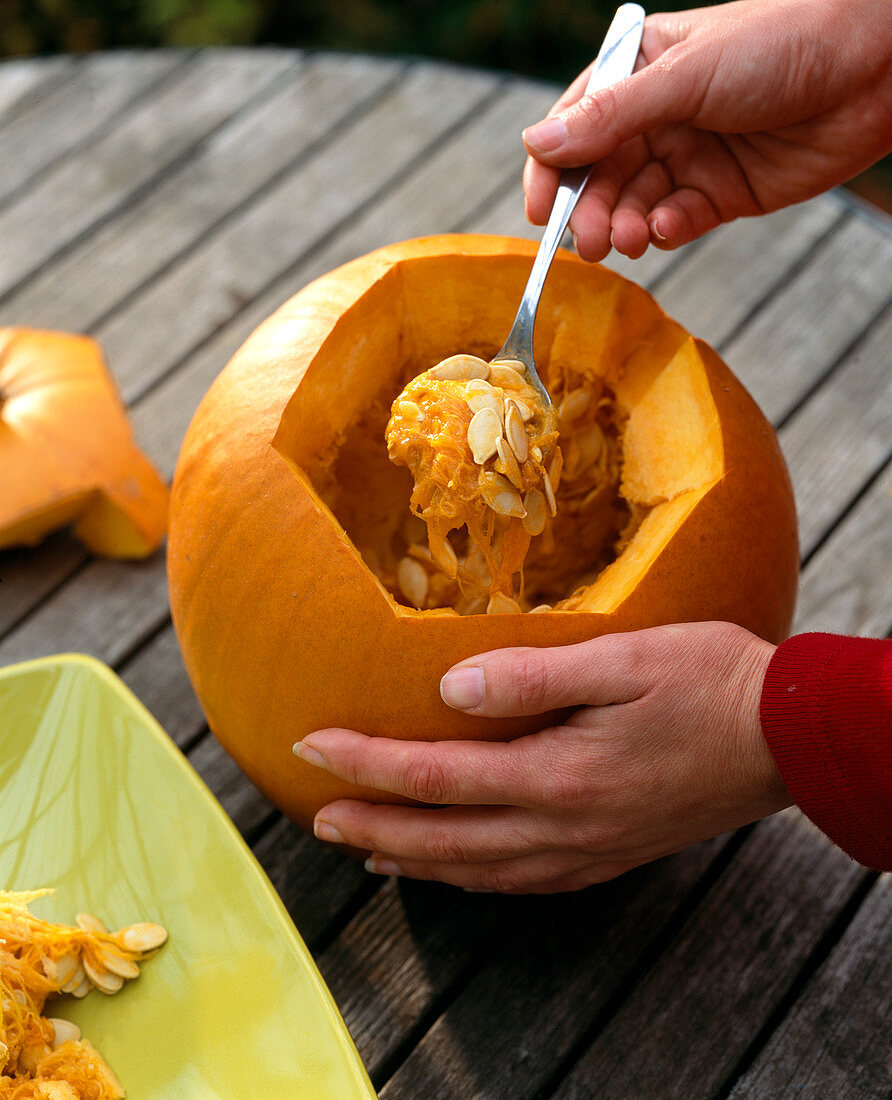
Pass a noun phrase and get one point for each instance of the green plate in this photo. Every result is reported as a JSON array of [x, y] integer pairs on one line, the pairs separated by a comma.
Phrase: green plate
[[99, 804]]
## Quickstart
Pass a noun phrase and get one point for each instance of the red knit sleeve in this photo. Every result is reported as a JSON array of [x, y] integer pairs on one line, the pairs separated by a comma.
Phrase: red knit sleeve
[[827, 717]]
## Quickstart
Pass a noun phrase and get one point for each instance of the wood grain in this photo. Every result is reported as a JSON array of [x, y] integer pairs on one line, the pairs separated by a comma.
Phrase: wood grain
[[167, 203]]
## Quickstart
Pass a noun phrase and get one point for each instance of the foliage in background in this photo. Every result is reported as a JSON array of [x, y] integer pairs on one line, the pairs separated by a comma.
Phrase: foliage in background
[[547, 39]]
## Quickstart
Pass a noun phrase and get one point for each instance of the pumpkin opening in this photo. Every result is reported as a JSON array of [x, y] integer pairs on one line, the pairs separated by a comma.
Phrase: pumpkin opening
[[640, 435]]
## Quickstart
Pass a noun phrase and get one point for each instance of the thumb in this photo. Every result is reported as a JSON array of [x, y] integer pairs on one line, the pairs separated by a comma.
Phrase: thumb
[[597, 125], [511, 682]]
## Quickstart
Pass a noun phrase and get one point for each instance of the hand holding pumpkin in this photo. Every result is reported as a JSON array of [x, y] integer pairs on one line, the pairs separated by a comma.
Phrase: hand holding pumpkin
[[735, 110], [665, 751]]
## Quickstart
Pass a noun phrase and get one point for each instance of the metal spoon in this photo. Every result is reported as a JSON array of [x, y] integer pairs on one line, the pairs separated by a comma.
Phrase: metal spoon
[[615, 62]]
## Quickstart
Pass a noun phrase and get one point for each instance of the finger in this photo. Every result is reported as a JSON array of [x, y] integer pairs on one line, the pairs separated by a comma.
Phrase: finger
[[540, 184], [450, 834], [522, 875], [596, 125], [592, 220], [681, 217], [482, 773], [506, 682], [629, 224]]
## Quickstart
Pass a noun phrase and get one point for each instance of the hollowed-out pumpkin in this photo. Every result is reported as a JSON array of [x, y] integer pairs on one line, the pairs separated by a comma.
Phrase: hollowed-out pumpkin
[[283, 484]]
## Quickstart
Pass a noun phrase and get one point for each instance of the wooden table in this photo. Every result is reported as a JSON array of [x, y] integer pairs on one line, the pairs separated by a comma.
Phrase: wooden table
[[166, 203]]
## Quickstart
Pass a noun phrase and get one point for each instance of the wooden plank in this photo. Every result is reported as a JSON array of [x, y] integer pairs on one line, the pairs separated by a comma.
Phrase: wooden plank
[[798, 336], [76, 111], [408, 946], [739, 266], [847, 586], [709, 993], [303, 213], [24, 582], [77, 192], [25, 82], [157, 677], [162, 417], [106, 609], [842, 436], [228, 169], [835, 1041], [550, 969]]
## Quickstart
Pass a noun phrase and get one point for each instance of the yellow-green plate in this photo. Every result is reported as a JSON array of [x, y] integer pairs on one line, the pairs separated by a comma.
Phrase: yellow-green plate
[[98, 803]]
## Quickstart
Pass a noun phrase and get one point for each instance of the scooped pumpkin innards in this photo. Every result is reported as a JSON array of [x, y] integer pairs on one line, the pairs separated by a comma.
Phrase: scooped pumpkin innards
[[508, 497]]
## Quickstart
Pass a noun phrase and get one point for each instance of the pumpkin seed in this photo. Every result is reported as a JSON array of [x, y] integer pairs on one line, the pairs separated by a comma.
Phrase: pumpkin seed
[[117, 963], [590, 444], [77, 979], [444, 555], [549, 497], [479, 385], [508, 504], [60, 970], [82, 989], [493, 483], [475, 565], [142, 936], [460, 368], [540, 608], [554, 469], [500, 604], [511, 364], [534, 505], [411, 576], [409, 410], [104, 981], [484, 431], [574, 405], [514, 432], [478, 401], [526, 413], [505, 376], [64, 1031], [507, 464], [88, 923]]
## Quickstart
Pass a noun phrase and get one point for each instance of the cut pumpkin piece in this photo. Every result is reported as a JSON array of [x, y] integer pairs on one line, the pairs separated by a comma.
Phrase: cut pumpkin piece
[[67, 450]]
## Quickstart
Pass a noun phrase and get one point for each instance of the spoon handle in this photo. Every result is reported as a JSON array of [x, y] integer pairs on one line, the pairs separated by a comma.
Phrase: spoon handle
[[615, 61]]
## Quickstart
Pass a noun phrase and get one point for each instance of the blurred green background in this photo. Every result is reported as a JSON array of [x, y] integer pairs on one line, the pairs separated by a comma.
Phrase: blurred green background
[[546, 39]]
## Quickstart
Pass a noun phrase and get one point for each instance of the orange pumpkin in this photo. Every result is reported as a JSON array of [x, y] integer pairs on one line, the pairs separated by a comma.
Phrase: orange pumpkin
[[67, 451], [283, 474]]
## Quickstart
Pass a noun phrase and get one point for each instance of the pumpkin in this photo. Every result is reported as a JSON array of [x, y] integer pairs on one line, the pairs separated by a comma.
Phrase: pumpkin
[[283, 484], [67, 450]]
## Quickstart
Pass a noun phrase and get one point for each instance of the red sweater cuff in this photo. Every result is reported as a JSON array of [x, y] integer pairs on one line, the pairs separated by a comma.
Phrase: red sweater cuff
[[826, 714]]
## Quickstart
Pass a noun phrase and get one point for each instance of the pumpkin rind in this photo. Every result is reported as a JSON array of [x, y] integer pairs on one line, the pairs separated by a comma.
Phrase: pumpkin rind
[[282, 626], [67, 450]]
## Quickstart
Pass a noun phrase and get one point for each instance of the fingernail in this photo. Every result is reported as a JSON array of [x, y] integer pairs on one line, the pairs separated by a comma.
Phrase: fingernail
[[308, 754], [382, 867], [323, 831], [463, 688], [546, 136], [655, 229]]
